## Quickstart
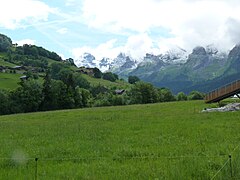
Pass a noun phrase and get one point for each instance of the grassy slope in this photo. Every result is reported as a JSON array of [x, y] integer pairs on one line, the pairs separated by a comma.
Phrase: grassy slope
[[96, 81], [122, 136], [9, 81], [5, 63]]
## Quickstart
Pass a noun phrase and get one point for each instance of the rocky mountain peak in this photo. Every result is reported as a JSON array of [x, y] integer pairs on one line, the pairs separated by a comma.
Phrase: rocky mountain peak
[[88, 57], [234, 57], [175, 55], [151, 57], [122, 63], [199, 50], [86, 60], [211, 50], [121, 55], [235, 50]]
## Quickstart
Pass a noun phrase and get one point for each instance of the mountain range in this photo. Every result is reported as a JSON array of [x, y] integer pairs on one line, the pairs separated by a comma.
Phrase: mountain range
[[204, 69]]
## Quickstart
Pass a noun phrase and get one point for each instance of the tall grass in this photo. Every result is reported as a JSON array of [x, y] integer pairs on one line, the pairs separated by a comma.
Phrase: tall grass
[[157, 141]]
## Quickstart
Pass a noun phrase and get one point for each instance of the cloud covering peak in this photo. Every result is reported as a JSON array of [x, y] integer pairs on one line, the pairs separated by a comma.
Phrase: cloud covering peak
[[189, 22], [107, 27]]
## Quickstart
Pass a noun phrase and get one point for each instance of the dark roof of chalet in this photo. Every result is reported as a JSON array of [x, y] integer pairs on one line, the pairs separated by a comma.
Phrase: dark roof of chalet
[[17, 67], [119, 91], [23, 77]]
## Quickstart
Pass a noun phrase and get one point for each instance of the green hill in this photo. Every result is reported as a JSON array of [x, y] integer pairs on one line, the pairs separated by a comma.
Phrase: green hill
[[5, 63], [36, 61], [157, 141], [51, 83], [10, 81]]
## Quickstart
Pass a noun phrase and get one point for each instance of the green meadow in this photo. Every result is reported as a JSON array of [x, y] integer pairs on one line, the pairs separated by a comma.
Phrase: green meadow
[[96, 81], [154, 141], [9, 80]]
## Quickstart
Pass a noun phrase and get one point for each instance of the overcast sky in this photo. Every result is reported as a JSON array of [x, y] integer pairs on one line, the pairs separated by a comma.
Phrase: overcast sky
[[107, 27]]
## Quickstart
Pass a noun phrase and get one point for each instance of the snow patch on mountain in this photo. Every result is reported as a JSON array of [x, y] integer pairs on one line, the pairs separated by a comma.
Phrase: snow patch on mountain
[[175, 55], [86, 60], [121, 62], [213, 51]]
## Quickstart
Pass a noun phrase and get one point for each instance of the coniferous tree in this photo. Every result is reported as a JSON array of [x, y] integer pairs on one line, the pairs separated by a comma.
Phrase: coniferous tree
[[4, 102]]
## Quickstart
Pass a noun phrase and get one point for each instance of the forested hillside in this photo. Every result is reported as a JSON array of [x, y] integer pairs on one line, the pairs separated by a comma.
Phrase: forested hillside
[[35, 79]]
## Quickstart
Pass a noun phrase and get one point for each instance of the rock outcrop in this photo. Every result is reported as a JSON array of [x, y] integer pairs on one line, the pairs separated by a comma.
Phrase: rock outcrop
[[227, 108]]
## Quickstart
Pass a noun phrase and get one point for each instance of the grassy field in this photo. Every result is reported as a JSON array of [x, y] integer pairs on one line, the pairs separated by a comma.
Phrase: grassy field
[[9, 80], [157, 141]]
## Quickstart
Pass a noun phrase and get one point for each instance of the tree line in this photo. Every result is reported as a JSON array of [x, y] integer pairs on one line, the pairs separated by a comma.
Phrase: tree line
[[66, 89]]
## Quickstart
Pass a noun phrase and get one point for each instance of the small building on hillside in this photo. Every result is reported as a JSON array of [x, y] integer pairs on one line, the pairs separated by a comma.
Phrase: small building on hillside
[[2, 69], [23, 78], [17, 67], [119, 91], [88, 71]]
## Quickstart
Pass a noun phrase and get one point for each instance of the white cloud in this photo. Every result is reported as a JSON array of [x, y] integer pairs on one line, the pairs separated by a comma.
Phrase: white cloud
[[62, 31], [190, 22], [232, 30], [25, 41], [70, 2], [103, 50], [14, 13], [62, 56], [137, 46]]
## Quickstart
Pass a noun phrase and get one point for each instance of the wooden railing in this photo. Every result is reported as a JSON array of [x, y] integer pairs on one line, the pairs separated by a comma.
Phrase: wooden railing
[[223, 92]]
